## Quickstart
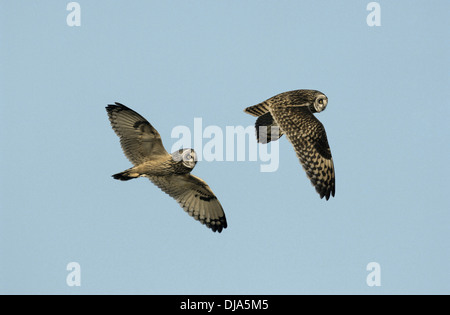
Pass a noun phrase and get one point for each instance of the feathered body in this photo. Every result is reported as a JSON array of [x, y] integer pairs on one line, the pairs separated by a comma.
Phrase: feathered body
[[143, 146], [291, 113]]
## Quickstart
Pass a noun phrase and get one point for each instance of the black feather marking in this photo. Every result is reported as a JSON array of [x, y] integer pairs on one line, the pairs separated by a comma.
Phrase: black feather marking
[[207, 198], [137, 124]]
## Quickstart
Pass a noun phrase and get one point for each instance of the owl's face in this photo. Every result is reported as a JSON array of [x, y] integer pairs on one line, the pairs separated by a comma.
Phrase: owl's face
[[187, 157], [320, 103]]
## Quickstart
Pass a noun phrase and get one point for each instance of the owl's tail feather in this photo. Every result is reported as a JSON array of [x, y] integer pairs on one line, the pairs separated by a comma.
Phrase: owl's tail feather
[[257, 110], [126, 175]]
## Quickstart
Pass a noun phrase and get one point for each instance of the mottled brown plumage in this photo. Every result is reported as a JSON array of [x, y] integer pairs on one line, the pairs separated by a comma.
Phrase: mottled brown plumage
[[291, 113], [142, 145]]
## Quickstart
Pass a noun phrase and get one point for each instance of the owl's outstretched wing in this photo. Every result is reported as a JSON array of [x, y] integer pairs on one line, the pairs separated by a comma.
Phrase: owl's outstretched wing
[[308, 136], [139, 140], [195, 197]]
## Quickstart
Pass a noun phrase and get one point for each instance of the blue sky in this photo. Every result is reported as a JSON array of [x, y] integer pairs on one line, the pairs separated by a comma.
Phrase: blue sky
[[173, 61]]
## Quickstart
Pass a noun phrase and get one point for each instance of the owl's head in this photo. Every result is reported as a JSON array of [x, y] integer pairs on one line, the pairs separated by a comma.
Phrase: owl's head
[[315, 100], [320, 102], [186, 157]]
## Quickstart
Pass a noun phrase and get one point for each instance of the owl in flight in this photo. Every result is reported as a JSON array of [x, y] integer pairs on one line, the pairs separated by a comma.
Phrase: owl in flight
[[291, 113], [142, 145]]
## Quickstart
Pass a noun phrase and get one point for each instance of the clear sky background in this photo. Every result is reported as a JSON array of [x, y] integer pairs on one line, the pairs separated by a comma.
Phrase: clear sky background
[[172, 61]]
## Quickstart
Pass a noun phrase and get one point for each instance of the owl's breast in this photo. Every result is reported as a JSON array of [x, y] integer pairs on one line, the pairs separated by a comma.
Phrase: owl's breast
[[157, 167]]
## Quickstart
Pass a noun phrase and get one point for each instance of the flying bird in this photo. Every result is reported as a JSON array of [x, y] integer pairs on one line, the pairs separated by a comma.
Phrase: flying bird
[[143, 146], [291, 113]]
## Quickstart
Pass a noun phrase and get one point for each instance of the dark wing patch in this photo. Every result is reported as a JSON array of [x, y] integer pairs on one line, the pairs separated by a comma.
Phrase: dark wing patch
[[267, 129]]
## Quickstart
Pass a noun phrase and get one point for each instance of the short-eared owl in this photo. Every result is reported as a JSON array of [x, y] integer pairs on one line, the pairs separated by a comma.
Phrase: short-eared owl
[[142, 145], [291, 113]]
